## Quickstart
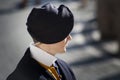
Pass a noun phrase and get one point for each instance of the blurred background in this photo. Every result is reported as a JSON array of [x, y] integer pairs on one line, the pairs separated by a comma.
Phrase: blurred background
[[93, 53]]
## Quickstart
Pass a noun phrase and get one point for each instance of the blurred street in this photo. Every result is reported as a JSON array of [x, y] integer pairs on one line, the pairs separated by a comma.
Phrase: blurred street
[[89, 57]]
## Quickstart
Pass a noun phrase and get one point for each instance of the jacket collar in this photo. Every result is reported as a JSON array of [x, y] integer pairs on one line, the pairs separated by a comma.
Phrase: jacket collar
[[32, 68]]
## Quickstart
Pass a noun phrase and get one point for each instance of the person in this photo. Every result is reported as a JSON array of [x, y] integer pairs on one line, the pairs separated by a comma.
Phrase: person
[[108, 16], [24, 3], [84, 3], [106, 19], [50, 29]]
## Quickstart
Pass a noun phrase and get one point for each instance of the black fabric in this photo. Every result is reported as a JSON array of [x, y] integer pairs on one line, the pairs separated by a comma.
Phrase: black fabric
[[29, 69], [49, 24]]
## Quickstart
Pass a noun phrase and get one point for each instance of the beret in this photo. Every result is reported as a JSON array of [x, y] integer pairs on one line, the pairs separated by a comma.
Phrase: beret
[[49, 24]]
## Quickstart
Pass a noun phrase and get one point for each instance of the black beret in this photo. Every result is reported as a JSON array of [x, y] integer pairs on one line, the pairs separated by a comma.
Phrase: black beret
[[49, 24]]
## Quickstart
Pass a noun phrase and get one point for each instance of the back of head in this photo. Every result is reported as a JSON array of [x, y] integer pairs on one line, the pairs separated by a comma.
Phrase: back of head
[[49, 24]]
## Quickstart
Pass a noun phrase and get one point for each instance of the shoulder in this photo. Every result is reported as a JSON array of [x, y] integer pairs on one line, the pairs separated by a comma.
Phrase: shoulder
[[13, 76], [65, 65], [17, 73], [66, 68]]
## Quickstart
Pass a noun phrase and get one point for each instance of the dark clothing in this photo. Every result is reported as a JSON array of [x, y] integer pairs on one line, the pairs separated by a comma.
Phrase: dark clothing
[[29, 69], [108, 15]]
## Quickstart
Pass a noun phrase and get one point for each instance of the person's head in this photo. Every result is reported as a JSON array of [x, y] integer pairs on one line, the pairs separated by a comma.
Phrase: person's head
[[50, 27]]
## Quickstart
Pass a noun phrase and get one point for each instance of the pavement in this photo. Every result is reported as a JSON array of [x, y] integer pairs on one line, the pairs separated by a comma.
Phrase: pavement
[[87, 56]]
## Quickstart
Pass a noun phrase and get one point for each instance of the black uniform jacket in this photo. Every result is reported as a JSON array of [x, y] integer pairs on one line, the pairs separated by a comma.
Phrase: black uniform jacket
[[29, 69]]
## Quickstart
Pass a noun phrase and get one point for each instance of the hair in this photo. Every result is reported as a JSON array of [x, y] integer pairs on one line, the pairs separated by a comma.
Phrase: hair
[[35, 41]]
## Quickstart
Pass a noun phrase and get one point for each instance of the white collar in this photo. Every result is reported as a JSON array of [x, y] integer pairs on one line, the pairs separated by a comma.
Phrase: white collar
[[41, 56]]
